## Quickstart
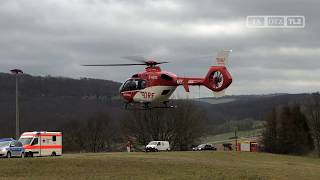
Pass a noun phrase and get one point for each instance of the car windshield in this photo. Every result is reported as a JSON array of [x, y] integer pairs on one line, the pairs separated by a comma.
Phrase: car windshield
[[153, 143], [201, 145], [25, 141], [5, 143]]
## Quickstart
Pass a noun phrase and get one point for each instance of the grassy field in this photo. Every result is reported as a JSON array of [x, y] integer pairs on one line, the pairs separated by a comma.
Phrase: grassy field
[[226, 136], [163, 165]]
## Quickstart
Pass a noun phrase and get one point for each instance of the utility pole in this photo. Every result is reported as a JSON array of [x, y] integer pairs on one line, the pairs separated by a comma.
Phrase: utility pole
[[16, 72], [236, 137]]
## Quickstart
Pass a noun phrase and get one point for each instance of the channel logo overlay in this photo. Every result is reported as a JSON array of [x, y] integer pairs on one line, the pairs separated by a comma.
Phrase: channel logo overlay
[[276, 21]]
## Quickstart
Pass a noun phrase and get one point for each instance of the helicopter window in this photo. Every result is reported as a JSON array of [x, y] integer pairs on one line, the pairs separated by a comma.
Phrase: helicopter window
[[133, 84], [165, 92], [135, 76], [142, 84], [166, 77]]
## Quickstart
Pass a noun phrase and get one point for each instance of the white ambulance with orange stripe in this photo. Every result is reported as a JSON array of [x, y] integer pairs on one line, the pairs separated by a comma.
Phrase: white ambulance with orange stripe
[[42, 143]]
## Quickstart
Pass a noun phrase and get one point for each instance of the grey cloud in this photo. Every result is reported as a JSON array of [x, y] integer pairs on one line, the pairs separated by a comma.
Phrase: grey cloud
[[55, 37]]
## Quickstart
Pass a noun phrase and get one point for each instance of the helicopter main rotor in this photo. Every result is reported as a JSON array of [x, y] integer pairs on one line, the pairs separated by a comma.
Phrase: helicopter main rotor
[[142, 62]]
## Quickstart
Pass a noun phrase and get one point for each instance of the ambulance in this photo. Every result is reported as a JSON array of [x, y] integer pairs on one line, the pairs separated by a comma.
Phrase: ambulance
[[42, 143]]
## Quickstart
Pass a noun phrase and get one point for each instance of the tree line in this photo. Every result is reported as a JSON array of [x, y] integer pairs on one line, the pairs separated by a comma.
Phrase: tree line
[[293, 129], [48, 102], [48, 86], [181, 126]]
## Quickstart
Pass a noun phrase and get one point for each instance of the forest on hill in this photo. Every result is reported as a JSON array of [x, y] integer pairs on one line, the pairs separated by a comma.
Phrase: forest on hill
[[46, 103], [51, 103]]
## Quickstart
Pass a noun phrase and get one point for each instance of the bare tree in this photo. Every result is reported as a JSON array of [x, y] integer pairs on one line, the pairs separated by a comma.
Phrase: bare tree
[[287, 131], [94, 135], [189, 125], [313, 114], [269, 135], [99, 132], [148, 125], [181, 126], [74, 136]]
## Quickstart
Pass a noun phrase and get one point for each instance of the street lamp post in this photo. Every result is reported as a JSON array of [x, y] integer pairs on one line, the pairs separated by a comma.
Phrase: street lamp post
[[16, 72]]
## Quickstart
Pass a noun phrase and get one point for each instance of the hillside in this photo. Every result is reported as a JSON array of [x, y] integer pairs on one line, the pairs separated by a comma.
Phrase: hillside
[[233, 108], [38, 86], [46, 103]]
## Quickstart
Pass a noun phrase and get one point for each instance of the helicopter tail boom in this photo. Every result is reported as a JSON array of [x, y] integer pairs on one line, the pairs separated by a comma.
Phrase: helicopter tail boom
[[217, 79]]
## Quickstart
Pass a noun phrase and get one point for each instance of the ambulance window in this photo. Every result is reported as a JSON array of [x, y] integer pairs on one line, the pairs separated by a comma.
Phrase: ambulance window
[[25, 140], [54, 138], [35, 141]]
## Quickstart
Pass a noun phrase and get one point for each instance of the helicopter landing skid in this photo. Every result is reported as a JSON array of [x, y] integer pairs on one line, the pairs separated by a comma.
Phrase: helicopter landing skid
[[147, 107], [163, 107]]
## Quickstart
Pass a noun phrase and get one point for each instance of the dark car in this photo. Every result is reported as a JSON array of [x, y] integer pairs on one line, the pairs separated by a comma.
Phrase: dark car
[[204, 147]]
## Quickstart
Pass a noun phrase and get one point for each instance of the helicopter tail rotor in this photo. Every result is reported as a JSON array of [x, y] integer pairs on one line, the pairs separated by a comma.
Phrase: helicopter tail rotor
[[218, 77]]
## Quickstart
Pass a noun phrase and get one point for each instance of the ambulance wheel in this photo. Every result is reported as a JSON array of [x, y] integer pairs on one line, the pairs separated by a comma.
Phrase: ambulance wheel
[[29, 154], [53, 154], [9, 155]]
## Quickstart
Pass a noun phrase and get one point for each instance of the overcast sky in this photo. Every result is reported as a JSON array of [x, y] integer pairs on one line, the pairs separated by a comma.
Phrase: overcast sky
[[54, 37]]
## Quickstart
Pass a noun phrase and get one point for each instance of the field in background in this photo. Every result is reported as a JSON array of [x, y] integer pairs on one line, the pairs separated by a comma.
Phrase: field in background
[[163, 165], [226, 136], [219, 139]]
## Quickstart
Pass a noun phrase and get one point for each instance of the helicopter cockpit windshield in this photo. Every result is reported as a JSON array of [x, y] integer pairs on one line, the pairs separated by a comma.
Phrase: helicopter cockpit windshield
[[133, 84]]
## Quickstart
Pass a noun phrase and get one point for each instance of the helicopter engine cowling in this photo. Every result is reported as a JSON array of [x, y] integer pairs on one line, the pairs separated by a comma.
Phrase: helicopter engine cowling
[[217, 79]]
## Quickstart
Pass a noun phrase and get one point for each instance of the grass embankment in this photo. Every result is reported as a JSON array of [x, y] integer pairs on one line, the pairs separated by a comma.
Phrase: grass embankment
[[163, 165]]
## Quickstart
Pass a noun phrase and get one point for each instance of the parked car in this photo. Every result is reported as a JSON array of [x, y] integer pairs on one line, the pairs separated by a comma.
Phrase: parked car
[[204, 147], [11, 148], [155, 146]]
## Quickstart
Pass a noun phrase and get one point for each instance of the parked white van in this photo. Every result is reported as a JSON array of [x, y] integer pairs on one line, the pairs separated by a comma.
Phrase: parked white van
[[155, 146]]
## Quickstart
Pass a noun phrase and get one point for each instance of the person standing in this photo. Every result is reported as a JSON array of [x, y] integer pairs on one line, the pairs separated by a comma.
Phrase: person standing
[[129, 146]]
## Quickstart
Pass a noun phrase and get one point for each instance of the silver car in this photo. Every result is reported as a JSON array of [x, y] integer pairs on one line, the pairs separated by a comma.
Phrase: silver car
[[11, 148]]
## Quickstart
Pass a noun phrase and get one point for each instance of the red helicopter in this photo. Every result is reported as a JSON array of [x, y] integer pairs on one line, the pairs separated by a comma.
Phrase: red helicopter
[[156, 86]]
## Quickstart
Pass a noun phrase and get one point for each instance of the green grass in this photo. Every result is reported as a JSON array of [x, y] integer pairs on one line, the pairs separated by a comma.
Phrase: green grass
[[163, 165]]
